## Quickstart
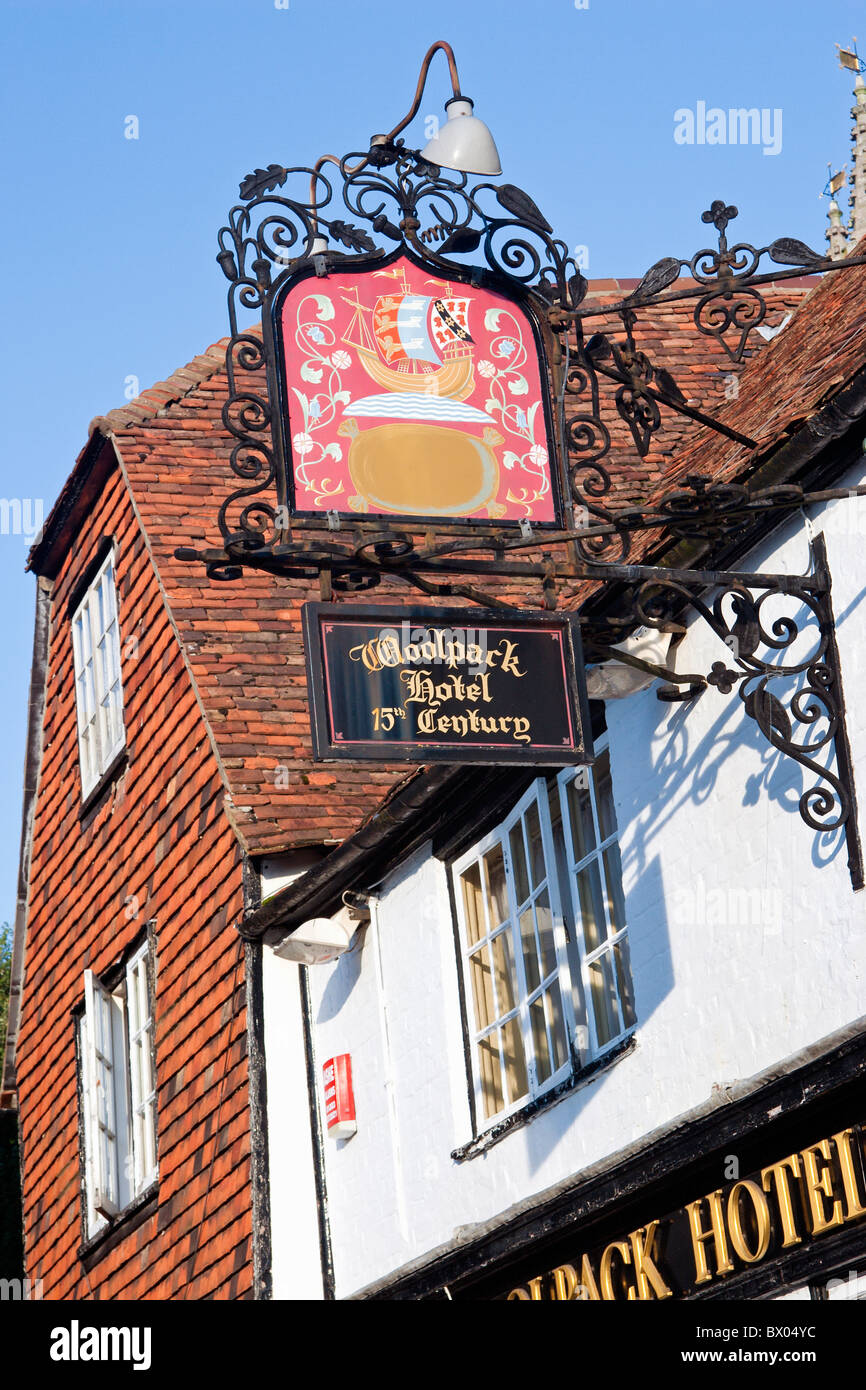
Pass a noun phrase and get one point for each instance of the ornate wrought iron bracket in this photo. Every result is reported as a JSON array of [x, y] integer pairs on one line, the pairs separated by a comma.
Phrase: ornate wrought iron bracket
[[793, 692], [295, 219]]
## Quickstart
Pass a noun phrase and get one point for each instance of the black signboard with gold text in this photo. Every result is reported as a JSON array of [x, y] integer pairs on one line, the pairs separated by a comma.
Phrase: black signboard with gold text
[[455, 685]]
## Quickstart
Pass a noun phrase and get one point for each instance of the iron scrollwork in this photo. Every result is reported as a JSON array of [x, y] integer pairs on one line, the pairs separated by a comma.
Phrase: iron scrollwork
[[368, 203], [792, 652]]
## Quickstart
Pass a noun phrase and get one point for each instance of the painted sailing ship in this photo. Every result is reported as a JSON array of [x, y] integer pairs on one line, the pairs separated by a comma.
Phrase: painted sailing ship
[[418, 350], [418, 342]]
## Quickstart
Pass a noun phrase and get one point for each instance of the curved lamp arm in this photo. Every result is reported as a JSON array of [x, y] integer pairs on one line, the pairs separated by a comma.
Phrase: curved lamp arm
[[440, 45]]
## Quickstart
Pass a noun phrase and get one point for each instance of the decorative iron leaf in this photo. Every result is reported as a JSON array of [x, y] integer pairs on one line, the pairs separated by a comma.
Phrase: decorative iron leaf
[[668, 385], [577, 288], [768, 713], [597, 347], [263, 180], [788, 251], [463, 239], [519, 204], [658, 277], [746, 629], [352, 237]]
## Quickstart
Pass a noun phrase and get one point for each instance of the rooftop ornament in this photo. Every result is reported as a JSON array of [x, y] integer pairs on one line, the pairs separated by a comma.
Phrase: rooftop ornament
[[437, 206]]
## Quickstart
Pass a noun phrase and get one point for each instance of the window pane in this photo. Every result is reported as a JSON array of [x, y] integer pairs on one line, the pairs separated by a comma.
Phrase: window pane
[[580, 815], [623, 979], [503, 969], [604, 999], [604, 796], [544, 918], [96, 658], [491, 1080], [482, 988], [518, 859], [497, 896], [591, 905], [543, 1068], [613, 877], [556, 1024], [515, 1062], [530, 958], [470, 881], [536, 850]]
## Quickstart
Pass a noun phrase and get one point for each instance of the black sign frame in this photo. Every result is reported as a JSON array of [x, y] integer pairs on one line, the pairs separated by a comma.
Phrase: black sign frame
[[283, 412], [326, 748]]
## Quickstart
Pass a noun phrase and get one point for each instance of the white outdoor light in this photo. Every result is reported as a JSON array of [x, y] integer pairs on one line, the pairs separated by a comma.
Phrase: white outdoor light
[[464, 142], [613, 680], [323, 939]]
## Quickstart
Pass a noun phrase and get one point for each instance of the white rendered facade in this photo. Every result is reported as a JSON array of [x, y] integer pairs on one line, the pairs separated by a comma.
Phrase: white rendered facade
[[747, 947]]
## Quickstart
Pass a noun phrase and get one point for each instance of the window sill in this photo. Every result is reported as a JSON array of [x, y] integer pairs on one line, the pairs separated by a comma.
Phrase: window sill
[[584, 1077], [119, 1227], [95, 795]]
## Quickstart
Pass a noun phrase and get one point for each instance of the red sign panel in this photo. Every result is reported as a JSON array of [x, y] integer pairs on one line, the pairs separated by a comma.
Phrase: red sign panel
[[339, 1096], [412, 395]]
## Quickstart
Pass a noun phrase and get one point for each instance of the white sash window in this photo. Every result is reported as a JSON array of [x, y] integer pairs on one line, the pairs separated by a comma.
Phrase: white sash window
[[118, 1091], [544, 940], [98, 689]]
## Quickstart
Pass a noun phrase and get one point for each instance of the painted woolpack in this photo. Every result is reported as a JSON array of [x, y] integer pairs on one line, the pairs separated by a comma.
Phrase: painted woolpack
[[414, 396]]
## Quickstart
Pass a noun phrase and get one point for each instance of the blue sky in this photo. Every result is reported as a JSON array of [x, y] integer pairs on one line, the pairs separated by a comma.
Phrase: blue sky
[[109, 243]]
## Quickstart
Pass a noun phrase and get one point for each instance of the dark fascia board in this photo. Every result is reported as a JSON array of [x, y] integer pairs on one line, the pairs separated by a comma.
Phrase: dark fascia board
[[32, 765], [92, 467], [416, 812], [402, 822]]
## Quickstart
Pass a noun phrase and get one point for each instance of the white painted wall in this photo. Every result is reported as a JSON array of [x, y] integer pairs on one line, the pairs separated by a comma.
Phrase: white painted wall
[[726, 983], [296, 1256]]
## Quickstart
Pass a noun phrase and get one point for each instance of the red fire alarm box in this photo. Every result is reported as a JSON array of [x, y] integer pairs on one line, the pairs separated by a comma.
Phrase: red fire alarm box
[[339, 1096]]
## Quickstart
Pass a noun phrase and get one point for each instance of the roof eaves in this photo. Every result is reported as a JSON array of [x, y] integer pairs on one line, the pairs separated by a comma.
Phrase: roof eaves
[[163, 394], [92, 467], [401, 821], [32, 766]]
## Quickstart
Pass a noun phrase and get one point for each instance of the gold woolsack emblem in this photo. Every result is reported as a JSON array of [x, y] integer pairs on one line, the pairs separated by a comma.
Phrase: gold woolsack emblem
[[430, 469]]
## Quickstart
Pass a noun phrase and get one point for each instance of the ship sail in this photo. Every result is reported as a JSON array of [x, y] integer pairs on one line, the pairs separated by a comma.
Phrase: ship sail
[[400, 325], [419, 338]]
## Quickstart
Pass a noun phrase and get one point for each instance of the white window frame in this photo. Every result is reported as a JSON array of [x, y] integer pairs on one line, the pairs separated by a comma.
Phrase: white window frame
[[570, 944], [98, 683], [537, 794], [142, 1077], [118, 1091], [612, 937]]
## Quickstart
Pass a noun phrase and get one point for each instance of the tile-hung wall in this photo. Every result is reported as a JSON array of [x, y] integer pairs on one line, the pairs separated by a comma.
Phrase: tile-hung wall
[[95, 888], [744, 939]]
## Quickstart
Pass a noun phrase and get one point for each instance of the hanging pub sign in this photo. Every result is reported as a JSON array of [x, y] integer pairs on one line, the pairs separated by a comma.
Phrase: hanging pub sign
[[455, 685], [404, 394]]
